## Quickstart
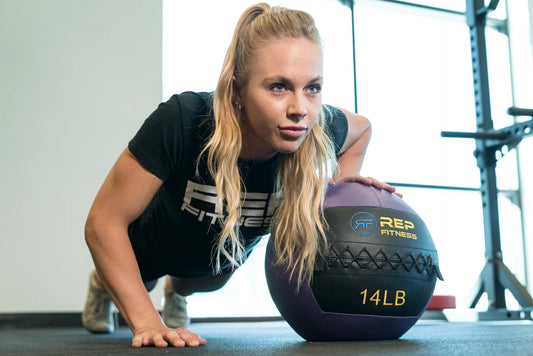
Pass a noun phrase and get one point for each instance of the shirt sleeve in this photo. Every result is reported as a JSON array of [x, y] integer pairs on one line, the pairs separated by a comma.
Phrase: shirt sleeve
[[157, 143], [336, 125]]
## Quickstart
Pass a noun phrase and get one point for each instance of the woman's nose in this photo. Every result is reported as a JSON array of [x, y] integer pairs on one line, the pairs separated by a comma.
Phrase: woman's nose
[[297, 109]]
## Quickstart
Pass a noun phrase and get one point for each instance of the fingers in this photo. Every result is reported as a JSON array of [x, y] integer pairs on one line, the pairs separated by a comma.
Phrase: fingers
[[137, 341], [355, 179], [190, 338], [159, 341], [368, 181], [365, 180], [379, 184], [171, 337]]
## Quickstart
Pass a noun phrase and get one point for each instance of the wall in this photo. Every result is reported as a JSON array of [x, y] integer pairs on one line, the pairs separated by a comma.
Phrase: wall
[[77, 78]]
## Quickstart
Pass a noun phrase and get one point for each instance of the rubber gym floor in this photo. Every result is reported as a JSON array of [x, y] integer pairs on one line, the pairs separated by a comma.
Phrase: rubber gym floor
[[427, 337]]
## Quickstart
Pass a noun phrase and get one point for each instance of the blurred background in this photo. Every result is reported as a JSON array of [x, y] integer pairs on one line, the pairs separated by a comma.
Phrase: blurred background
[[78, 78]]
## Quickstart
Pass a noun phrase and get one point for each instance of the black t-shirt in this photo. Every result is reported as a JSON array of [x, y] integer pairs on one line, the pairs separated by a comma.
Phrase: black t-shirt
[[177, 232]]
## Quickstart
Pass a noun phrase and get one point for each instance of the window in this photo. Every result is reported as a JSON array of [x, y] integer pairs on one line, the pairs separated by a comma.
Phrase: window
[[414, 80]]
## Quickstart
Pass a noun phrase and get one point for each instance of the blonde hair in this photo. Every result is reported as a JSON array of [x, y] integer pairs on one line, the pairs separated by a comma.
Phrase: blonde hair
[[298, 232]]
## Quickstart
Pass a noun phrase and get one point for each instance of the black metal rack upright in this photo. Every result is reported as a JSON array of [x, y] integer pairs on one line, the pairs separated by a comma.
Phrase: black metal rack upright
[[495, 277]]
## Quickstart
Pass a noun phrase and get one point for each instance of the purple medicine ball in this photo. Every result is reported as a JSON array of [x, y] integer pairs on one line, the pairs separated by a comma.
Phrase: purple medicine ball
[[376, 277]]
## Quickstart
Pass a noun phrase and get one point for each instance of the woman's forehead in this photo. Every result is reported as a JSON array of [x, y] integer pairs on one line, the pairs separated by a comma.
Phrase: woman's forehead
[[285, 57]]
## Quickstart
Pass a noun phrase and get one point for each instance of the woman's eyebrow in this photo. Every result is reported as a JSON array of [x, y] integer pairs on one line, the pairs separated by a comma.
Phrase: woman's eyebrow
[[317, 79], [283, 79]]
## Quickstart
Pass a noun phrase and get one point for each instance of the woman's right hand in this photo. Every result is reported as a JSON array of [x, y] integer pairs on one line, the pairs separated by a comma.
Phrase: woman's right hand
[[161, 336]]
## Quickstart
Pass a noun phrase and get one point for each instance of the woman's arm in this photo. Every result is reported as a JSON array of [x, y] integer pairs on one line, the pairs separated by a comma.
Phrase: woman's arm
[[124, 195], [354, 148], [353, 151]]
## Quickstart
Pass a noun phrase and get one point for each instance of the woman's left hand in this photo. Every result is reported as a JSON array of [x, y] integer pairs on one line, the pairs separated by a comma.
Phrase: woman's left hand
[[368, 181]]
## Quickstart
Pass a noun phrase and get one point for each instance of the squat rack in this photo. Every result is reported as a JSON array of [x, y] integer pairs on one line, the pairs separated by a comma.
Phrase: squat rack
[[495, 277]]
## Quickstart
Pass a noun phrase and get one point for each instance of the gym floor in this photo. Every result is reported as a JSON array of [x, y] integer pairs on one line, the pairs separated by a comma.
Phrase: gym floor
[[427, 337]]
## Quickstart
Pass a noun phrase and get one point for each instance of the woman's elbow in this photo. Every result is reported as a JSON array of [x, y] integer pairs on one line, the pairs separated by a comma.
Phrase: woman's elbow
[[90, 230], [96, 227], [362, 124]]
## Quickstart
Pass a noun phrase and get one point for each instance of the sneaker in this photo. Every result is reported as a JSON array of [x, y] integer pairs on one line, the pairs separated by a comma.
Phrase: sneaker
[[175, 310], [98, 316]]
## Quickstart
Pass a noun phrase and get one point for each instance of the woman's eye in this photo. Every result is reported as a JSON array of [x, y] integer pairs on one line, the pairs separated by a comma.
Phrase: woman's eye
[[277, 87], [315, 88]]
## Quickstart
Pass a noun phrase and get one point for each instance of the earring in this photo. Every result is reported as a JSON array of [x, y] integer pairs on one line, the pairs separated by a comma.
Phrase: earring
[[238, 105]]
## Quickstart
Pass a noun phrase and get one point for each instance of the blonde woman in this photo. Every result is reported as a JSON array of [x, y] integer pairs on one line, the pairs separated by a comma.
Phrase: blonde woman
[[208, 174]]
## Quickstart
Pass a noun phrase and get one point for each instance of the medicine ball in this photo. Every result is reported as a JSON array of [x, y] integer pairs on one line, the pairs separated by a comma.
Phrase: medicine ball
[[376, 277]]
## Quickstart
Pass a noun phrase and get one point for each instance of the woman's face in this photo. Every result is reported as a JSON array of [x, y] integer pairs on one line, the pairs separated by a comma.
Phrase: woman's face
[[282, 98]]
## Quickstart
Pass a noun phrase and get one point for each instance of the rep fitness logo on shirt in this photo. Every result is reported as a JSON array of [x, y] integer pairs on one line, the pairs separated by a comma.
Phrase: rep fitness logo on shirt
[[257, 208]]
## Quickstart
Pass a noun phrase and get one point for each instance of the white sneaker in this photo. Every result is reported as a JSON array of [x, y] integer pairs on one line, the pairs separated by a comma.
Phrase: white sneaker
[[175, 310], [98, 316]]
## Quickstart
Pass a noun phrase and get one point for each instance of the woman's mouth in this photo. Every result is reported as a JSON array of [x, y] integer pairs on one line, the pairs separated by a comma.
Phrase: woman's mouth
[[292, 131]]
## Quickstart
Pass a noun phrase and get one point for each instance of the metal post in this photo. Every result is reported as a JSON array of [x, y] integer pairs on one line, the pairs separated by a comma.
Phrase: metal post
[[352, 9], [476, 20]]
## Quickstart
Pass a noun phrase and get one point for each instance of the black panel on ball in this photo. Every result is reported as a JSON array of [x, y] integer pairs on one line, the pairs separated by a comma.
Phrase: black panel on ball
[[379, 262]]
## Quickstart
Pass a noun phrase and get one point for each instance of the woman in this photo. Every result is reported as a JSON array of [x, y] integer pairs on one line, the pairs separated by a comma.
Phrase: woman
[[208, 174]]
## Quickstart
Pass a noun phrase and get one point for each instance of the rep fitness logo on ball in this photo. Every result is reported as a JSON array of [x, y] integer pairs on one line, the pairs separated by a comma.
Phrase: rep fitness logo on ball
[[364, 224]]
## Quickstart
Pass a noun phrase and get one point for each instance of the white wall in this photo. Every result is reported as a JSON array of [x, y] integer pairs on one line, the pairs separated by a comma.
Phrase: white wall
[[77, 78]]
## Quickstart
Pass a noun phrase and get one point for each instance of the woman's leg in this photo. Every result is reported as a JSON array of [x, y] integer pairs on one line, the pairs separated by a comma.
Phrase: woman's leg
[[98, 316], [177, 289], [188, 286], [149, 285]]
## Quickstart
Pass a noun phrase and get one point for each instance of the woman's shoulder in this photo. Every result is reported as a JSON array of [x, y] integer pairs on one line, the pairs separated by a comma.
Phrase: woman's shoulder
[[191, 100]]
